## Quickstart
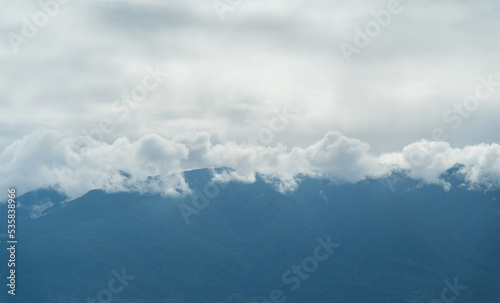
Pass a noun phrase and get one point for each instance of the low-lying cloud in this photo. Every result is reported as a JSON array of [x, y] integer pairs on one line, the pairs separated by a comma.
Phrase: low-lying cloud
[[154, 164]]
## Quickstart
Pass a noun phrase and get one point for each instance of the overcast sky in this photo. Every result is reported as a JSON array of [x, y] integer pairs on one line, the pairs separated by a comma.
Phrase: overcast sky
[[343, 89]]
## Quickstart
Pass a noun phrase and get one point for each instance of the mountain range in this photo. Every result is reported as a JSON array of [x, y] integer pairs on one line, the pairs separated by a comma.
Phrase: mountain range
[[388, 240]]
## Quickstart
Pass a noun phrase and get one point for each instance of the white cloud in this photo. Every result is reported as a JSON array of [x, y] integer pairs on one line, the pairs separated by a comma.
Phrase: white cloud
[[428, 160], [48, 158], [37, 210]]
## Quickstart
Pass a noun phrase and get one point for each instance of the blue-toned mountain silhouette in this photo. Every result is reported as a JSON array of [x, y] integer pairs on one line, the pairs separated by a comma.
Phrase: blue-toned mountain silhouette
[[396, 240]]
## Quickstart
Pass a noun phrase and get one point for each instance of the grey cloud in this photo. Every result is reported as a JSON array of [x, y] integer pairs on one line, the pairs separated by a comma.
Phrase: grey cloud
[[226, 78]]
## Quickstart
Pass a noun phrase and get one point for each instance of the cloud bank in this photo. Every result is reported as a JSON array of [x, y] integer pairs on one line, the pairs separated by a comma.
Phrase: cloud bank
[[154, 164]]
